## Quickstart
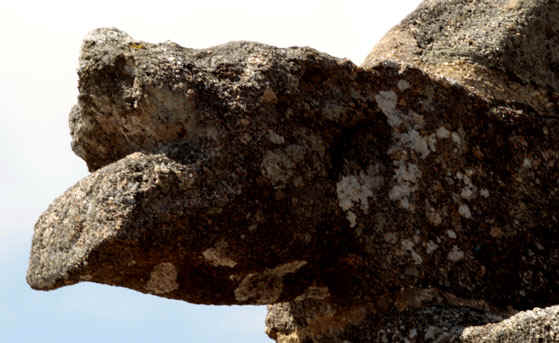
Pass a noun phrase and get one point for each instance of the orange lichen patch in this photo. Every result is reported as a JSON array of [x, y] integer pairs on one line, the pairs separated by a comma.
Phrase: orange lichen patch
[[137, 46]]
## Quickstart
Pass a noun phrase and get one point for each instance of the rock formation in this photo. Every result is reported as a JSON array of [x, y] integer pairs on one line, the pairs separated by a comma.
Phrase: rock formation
[[415, 198], [326, 322]]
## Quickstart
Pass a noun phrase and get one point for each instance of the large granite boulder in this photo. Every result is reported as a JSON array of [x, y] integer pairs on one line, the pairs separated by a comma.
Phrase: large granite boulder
[[352, 199]]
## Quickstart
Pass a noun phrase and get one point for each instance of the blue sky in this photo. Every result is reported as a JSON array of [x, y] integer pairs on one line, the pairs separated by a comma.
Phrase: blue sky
[[40, 44]]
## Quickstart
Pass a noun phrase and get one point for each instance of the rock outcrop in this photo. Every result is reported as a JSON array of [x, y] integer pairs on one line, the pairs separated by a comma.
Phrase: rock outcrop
[[502, 50], [410, 199], [326, 322]]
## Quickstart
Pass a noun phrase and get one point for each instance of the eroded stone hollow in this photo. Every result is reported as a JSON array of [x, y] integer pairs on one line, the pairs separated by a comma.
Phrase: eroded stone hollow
[[249, 174]]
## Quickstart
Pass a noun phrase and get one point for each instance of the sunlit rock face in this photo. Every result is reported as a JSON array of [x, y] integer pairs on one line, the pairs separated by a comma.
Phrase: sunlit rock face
[[352, 199]]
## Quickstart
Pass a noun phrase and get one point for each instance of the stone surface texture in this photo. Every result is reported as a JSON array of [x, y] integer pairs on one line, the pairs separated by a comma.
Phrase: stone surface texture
[[498, 49], [536, 326], [413, 199], [293, 322]]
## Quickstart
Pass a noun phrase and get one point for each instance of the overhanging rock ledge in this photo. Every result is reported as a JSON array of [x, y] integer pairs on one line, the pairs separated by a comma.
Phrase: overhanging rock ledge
[[394, 200]]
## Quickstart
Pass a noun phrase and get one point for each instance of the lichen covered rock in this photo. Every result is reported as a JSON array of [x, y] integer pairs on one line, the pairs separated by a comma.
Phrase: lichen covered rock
[[266, 185], [432, 321], [502, 49], [408, 199]]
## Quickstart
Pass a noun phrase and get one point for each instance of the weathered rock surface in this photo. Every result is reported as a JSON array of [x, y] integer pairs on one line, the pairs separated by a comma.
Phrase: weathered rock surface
[[498, 49], [233, 190], [537, 326], [315, 321], [420, 191]]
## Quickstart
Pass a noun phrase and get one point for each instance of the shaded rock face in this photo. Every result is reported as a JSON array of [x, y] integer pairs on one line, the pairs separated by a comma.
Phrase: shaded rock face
[[401, 200]]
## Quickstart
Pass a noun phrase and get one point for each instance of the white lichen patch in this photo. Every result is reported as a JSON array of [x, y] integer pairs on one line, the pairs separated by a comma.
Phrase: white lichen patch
[[350, 190], [355, 190], [403, 85], [387, 102], [431, 246], [406, 176], [351, 218], [432, 141], [455, 254], [456, 138], [451, 234], [411, 140], [163, 279], [408, 140], [442, 132], [467, 193], [406, 133], [408, 245], [217, 256], [464, 211], [266, 287]]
